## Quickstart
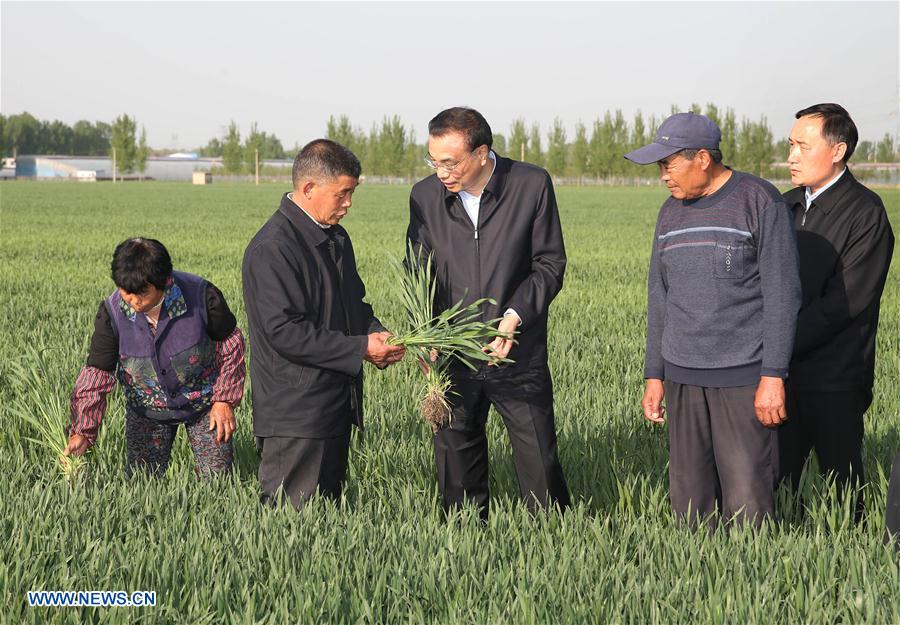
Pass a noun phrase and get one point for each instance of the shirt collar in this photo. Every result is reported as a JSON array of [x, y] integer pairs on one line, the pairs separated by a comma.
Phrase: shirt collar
[[173, 303], [321, 225], [811, 197], [311, 230], [493, 158], [494, 185]]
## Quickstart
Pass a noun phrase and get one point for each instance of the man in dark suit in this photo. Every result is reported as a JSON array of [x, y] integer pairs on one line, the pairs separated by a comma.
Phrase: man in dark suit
[[493, 227], [845, 244], [310, 329]]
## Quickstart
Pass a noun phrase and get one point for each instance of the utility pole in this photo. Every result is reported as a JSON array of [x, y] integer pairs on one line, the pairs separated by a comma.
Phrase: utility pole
[[522, 151], [114, 165], [256, 156]]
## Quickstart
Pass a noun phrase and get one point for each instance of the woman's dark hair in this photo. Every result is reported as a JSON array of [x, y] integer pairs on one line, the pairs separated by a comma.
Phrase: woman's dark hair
[[140, 262], [468, 122]]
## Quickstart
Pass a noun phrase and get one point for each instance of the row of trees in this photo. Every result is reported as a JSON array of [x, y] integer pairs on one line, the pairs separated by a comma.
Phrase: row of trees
[[240, 157], [595, 151], [25, 134], [389, 148]]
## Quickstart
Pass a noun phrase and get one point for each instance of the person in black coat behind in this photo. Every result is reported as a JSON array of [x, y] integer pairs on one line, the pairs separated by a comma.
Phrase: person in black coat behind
[[845, 243], [310, 329]]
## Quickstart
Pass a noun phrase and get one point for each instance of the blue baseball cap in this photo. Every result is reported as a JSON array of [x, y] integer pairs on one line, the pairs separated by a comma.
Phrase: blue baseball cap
[[682, 131]]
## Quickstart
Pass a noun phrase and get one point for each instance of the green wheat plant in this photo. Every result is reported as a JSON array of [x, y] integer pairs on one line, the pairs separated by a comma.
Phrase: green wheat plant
[[456, 333], [44, 411], [384, 553]]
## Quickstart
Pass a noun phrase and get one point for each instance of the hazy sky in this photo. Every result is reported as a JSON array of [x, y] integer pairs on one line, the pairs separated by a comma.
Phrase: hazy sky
[[186, 69]]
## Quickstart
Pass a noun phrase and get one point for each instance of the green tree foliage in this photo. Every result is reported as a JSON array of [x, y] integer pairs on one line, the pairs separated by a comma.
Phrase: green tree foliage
[[143, 152], [391, 151], [712, 112], [232, 154], [518, 140], [556, 148], [253, 149], [755, 148], [268, 146], [24, 134], [620, 137], [90, 139], [780, 151], [580, 151], [598, 147], [533, 152], [728, 145], [884, 150], [123, 143], [500, 144], [212, 149], [865, 151]]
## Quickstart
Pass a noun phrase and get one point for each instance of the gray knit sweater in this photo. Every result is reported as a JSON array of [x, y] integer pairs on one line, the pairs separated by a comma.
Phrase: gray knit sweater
[[724, 288]]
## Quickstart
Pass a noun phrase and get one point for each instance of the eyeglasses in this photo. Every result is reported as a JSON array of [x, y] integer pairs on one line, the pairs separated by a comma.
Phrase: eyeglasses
[[447, 167]]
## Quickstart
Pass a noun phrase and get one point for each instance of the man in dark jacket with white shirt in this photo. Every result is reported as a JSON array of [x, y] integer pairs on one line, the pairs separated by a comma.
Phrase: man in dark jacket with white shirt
[[310, 329], [493, 227], [845, 243]]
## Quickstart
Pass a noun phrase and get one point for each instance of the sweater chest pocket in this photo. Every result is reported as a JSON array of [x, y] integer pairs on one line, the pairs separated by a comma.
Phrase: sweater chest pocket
[[728, 260]]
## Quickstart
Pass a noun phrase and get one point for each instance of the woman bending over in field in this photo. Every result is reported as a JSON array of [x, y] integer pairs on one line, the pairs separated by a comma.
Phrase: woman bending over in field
[[174, 345]]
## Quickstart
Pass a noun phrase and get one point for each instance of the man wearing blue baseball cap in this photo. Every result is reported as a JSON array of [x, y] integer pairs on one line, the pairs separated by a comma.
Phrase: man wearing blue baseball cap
[[722, 300]]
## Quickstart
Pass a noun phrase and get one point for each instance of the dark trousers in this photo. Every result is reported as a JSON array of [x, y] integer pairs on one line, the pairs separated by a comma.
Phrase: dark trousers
[[892, 513], [720, 456], [832, 424], [303, 467], [148, 446], [525, 402]]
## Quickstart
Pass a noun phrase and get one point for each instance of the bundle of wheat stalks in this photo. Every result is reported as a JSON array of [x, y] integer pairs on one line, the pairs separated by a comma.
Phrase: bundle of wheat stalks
[[39, 401], [456, 333]]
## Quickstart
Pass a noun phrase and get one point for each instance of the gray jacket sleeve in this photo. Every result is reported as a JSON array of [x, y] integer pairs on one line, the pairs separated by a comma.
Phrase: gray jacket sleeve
[[654, 367], [779, 275]]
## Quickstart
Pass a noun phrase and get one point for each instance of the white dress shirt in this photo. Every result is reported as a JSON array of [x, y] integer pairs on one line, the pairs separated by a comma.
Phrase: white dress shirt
[[473, 202], [810, 196]]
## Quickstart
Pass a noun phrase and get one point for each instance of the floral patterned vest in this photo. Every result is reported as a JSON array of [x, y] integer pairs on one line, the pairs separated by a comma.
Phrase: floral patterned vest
[[170, 376]]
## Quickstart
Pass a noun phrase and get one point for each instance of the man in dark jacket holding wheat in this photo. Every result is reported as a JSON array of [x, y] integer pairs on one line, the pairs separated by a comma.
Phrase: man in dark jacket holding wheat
[[493, 227], [310, 329]]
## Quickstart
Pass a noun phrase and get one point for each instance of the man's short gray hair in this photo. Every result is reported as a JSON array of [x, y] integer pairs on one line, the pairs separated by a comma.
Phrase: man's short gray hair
[[325, 161], [715, 155]]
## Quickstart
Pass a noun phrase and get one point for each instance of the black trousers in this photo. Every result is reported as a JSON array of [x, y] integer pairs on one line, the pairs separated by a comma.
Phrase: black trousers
[[720, 456], [525, 402], [832, 424], [303, 467]]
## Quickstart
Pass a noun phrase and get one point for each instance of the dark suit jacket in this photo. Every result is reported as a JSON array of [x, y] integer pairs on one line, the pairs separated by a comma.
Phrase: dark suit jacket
[[845, 244], [308, 325], [515, 255]]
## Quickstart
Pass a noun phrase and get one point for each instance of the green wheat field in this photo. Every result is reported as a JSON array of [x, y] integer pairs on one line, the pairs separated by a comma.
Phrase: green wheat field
[[386, 553]]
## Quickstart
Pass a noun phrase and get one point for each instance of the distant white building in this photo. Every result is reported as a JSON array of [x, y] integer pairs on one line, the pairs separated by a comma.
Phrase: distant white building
[[174, 167], [158, 167]]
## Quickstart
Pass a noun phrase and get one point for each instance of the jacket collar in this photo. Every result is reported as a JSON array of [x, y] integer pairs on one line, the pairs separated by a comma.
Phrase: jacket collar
[[830, 197], [494, 186], [492, 191], [313, 234], [173, 304]]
